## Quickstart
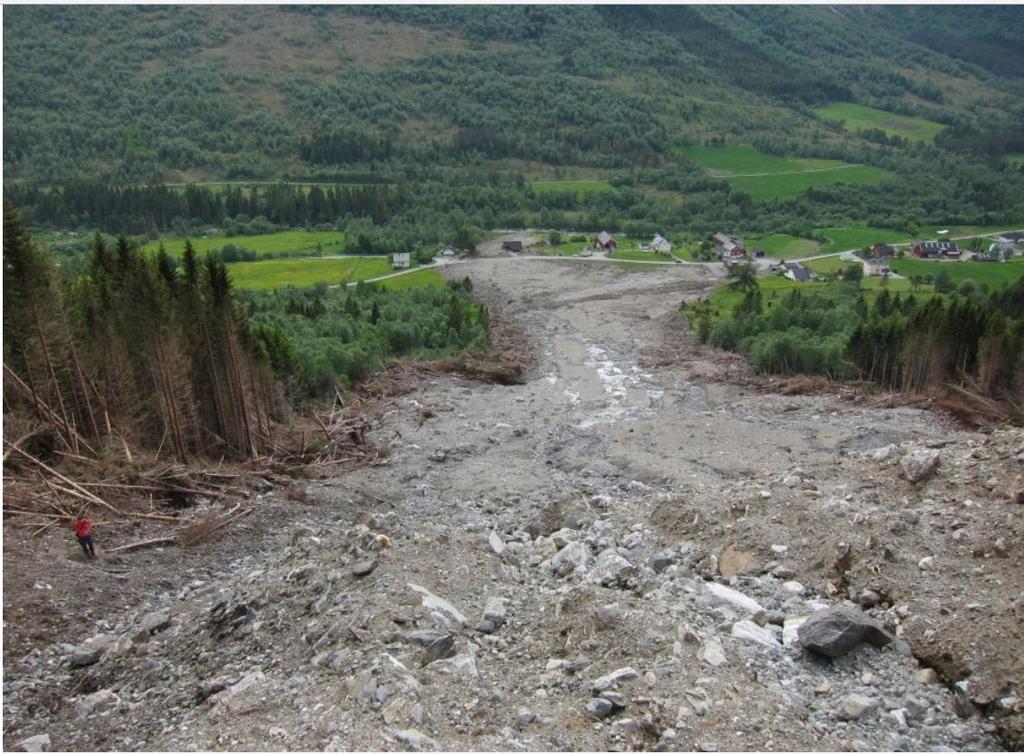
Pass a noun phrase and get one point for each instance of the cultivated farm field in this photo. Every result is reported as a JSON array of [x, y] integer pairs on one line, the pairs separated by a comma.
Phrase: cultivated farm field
[[276, 273], [285, 241], [854, 237], [765, 176], [781, 185], [860, 117], [426, 278], [994, 274], [782, 246]]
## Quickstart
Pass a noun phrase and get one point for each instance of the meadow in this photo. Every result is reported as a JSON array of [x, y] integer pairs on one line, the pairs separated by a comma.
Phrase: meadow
[[427, 278], [854, 237], [285, 241], [993, 274], [783, 185], [766, 176], [276, 273], [782, 246], [860, 117]]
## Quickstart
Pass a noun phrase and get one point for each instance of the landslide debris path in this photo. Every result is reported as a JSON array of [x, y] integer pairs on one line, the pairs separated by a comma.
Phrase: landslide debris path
[[617, 554]]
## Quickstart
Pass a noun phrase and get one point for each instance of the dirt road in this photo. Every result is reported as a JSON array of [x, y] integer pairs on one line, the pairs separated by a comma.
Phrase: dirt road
[[541, 536]]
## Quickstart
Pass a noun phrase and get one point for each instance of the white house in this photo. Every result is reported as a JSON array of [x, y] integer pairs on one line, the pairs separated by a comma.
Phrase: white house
[[448, 251], [661, 244], [401, 260], [876, 267]]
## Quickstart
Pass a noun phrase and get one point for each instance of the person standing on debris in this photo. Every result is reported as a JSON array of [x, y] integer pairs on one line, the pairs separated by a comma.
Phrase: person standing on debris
[[83, 528]]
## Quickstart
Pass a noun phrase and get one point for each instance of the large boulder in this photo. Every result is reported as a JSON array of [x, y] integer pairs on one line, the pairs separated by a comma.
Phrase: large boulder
[[918, 465], [836, 631], [611, 569], [574, 555]]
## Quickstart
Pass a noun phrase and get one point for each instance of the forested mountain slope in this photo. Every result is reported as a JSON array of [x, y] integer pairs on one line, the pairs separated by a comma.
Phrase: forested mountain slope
[[424, 120], [152, 93]]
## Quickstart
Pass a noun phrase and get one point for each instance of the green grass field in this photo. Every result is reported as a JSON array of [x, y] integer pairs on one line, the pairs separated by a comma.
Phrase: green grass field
[[765, 176], [827, 266], [1016, 159], [579, 187], [860, 117], [567, 249], [782, 185], [994, 274], [276, 273], [311, 241], [781, 246], [843, 239], [429, 278]]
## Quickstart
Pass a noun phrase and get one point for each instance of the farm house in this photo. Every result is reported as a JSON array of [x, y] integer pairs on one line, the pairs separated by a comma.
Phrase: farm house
[[606, 241]]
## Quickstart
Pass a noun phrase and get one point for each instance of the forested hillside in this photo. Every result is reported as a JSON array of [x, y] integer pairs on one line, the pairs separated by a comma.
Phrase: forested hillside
[[458, 108]]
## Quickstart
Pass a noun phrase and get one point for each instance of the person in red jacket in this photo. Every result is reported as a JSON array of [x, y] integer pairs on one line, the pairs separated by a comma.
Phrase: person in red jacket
[[83, 528]]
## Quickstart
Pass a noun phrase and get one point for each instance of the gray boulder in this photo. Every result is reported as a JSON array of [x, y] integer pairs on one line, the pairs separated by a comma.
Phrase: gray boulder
[[91, 650], [918, 465], [36, 743], [836, 631], [611, 569], [574, 555]]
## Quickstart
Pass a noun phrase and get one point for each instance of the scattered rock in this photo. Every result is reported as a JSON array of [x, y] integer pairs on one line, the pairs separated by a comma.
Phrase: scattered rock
[[364, 567], [734, 598], [887, 453], [599, 708], [662, 561], [794, 588], [918, 465], [155, 622], [414, 740], [790, 629], [613, 679], [244, 696], [713, 653], [574, 555], [855, 706], [611, 569], [440, 649], [927, 676], [432, 602], [494, 610], [90, 651], [836, 631], [496, 543], [735, 562], [96, 702], [35, 743], [747, 630]]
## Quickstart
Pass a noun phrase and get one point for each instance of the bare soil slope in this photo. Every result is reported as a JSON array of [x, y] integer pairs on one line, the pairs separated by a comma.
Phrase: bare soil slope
[[524, 542]]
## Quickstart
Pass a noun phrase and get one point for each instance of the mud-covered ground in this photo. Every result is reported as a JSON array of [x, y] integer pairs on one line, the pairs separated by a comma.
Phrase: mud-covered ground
[[631, 447]]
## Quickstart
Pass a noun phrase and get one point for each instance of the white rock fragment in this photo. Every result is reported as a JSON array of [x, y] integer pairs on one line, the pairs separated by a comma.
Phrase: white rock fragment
[[747, 630], [734, 598], [432, 602]]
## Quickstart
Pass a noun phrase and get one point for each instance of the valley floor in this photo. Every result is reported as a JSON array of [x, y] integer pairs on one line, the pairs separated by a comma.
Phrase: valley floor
[[634, 449]]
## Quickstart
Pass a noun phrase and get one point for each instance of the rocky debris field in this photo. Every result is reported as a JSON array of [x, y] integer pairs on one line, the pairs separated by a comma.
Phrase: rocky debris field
[[610, 556]]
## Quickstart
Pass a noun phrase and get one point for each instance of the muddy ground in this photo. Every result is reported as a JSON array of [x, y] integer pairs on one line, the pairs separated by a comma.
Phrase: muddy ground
[[626, 437]]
